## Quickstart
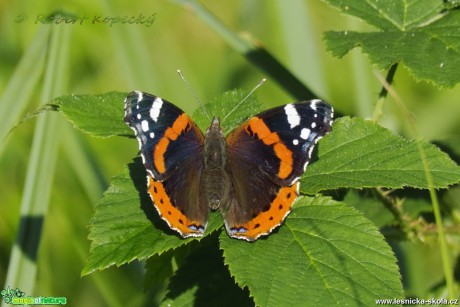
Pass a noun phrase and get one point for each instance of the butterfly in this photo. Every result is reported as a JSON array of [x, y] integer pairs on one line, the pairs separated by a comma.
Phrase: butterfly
[[251, 175]]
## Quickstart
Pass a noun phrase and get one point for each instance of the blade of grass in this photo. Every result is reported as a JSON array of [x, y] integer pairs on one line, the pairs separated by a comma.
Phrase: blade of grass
[[132, 53], [86, 168], [22, 84], [298, 31], [253, 51], [22, 266]]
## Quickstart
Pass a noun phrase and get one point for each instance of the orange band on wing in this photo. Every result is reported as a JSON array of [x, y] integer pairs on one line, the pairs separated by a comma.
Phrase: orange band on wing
[[259, 127], [180, 125], [266, 221], [285, 155], [175, 219]]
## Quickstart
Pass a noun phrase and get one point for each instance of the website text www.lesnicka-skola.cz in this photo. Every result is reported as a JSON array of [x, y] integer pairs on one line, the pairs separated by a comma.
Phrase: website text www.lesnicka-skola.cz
[[417, 301]]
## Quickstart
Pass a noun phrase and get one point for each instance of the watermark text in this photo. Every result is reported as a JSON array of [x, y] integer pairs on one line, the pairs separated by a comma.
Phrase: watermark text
[[94, 19]]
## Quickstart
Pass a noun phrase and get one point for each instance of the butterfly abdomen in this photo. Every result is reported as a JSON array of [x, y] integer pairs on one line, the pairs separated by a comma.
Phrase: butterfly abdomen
[[215, 183]]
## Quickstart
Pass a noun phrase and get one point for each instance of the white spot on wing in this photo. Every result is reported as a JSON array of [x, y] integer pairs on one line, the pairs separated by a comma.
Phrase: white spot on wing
[[313, 124], [156, 108], [152, 135], [305, 166], [313, 104], [139, 116], [143, 158], [292, 115], [295, 141], [305, 133], [140, 95], [310, 150], [145, 125], [297, 188], [294, 181]]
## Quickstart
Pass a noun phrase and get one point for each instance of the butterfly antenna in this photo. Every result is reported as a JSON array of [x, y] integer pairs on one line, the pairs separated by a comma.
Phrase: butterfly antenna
[[194, 94], [247, 96]]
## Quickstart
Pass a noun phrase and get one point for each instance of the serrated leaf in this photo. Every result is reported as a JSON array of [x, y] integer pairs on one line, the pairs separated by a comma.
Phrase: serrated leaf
[[421, 34], [391, 14], [100, 115], [362, 154], [126, 226], [203, 280], [326, 254]]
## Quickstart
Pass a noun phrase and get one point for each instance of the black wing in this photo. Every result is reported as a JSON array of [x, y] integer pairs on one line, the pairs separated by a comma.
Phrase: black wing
[[171, 147], [266, 157]]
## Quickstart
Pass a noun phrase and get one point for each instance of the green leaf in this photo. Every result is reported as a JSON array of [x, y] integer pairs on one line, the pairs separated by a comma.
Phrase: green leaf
[[225, 107], [100, 115], [362, 154], [422, 34], [203, 280], [391, 14], [326, 253], [126, 226]]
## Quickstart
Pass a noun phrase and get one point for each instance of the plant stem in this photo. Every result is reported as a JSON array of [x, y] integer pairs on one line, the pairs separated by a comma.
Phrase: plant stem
[[383, 93]]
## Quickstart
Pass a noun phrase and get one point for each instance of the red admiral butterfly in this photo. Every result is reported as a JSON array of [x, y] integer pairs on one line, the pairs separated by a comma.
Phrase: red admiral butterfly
[[251, 176]]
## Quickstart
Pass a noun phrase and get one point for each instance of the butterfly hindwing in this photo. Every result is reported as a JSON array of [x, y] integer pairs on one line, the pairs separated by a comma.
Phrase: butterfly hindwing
[[171, 146]]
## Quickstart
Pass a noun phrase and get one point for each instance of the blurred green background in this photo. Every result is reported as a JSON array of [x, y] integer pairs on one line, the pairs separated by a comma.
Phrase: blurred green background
[[98, 58]]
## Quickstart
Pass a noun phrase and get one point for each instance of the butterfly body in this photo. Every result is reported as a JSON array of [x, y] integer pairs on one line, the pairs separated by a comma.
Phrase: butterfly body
[[251, 176], [215, 182]]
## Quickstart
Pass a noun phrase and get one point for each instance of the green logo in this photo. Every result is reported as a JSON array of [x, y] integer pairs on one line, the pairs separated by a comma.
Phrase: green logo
[[17, 297]]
